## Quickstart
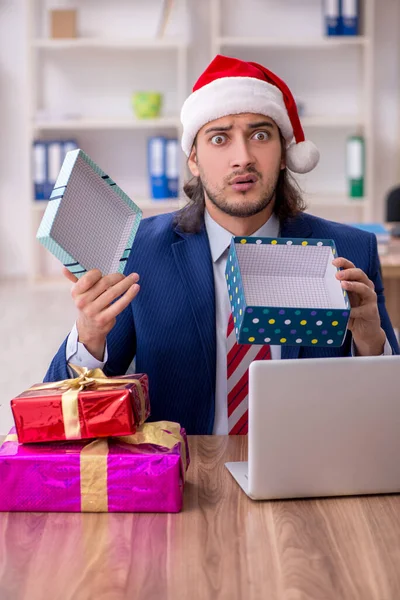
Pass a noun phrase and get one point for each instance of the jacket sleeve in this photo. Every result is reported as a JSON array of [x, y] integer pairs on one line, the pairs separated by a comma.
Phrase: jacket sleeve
[[376, 277]]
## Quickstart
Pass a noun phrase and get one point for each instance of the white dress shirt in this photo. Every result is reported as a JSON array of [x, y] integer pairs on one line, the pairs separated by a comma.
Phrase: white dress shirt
[[219, 239]]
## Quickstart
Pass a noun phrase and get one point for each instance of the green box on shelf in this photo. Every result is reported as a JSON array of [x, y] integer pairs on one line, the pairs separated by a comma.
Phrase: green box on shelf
[[89, 222], [284, 292]]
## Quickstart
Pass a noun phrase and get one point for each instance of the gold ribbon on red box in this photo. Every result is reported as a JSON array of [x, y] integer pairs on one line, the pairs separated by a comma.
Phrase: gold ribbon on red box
[[86, 379]]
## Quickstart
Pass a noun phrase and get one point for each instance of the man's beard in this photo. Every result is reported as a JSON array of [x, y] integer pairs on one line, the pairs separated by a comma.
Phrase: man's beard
[[245, 208]]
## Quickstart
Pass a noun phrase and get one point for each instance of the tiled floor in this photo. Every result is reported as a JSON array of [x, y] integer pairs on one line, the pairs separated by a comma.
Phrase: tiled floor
[[34, 320]]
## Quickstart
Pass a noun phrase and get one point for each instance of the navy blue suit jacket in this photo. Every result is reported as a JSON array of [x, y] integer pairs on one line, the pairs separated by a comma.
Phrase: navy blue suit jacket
[[170, 325]]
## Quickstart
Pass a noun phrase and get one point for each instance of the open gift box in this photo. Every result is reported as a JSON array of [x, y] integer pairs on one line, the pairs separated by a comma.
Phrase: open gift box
[[89, 222], [284, 292]]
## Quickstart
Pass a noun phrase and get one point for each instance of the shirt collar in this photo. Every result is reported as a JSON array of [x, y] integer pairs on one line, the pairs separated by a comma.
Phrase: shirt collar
[[220, 238]]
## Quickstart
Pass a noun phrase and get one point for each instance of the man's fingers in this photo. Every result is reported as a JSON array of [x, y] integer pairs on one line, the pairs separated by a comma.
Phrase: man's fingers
[[355, 275], [365, 293], [106, 282], [67, 273], [351, 273], [87, 281], [343, 263], [110, 294], [119, 305]]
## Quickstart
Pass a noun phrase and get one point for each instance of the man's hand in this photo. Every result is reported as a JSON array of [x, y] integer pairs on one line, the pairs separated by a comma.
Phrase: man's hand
[[365, 322], [94, 297]]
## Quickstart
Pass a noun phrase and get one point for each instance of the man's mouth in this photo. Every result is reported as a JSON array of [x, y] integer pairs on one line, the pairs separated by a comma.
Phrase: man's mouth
[[243, 183]]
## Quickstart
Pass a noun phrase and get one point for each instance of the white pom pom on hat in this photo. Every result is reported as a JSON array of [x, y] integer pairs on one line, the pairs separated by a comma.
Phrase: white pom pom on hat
[[302, 157], [231, 86]]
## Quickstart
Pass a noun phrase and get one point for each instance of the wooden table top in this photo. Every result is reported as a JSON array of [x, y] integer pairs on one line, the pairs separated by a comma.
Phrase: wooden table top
[[390, 262], [222, 546]]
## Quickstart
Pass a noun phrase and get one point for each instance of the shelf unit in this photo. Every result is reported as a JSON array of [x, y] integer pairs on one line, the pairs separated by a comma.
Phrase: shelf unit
[[331, 122], [106, 123], [147, 205], [110, 43], [318, 50], [320, 43], [95, 129]]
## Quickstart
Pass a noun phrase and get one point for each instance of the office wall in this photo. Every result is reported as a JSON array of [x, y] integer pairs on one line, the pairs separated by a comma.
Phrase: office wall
[[14, 155]]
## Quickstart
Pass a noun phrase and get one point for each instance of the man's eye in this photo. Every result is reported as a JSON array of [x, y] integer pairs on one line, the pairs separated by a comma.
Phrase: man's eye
[[218, 139], [261, 136]]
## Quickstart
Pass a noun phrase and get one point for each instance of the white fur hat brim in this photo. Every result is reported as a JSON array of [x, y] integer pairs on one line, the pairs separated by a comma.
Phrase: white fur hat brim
[[236, 95]]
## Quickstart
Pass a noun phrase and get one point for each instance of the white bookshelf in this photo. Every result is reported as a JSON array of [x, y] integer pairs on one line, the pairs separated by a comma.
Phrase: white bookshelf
[[289, 39], [333, 200], [81, 89], [110, 43], [332, 122], [146, 204], [102, 123], [319, 43]]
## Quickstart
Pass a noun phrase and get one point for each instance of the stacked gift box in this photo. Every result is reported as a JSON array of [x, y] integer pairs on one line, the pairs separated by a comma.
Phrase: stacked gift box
[[83, 445]]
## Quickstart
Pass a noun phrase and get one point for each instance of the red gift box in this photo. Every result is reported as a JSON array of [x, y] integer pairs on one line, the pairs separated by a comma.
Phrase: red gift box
[[89, 406]]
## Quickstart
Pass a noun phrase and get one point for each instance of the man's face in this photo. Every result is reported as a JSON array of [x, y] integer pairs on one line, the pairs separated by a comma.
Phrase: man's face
[[238, 159]]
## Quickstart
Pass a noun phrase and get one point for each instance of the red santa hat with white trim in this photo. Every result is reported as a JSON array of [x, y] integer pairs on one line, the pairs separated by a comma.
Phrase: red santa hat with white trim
[[230, 86]]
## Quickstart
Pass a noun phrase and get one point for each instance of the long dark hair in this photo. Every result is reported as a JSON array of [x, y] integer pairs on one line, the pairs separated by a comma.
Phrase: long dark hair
[[288, 202]]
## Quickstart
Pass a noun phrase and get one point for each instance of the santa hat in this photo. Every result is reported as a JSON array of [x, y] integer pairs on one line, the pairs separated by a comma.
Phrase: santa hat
[[230, 86]]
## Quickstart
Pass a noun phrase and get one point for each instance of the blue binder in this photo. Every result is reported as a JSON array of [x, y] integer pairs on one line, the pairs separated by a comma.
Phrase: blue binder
[[349, 17], [55, 157], [156, 161], [332, 17], [172, 167], [39, 169], [69, 145]]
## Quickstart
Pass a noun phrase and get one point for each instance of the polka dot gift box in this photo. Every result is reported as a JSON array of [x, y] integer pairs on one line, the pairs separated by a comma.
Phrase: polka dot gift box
[[284, 291]]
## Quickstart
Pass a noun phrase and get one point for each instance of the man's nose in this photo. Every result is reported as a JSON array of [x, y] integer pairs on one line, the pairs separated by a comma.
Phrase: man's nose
[[242, 157]]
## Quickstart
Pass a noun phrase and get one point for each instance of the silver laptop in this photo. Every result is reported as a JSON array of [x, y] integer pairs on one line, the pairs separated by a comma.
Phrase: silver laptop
[[322, 427]]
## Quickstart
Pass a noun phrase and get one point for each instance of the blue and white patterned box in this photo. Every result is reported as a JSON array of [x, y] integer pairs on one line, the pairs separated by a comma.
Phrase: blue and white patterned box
[[284, 291], [89, 221]]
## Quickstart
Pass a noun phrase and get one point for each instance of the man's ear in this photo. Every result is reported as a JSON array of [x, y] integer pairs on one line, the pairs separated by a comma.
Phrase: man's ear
[[192, 162]]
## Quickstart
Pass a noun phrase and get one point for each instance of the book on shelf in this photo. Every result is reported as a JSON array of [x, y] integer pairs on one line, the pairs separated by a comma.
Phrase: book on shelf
[[341, 17], [163, 167], [331, 17], [48, 156], [172, 167], [349, 17]]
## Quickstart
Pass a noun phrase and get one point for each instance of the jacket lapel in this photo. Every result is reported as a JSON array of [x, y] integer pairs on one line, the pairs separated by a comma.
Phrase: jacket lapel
[[297, 227], [193, 260]]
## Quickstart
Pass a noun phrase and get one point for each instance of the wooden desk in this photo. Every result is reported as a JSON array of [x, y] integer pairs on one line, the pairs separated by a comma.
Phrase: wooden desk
[[221, 546], [391, 261], [391, 278]]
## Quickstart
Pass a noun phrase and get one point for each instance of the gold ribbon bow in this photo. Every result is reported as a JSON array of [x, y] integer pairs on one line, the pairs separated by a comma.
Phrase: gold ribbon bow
[[69, 399]]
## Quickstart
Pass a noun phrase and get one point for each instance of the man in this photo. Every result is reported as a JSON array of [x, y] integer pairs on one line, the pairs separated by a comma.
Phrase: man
[[241, 133]]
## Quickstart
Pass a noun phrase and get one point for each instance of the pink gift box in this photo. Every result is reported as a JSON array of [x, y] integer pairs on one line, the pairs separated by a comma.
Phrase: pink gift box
[[144, 472]]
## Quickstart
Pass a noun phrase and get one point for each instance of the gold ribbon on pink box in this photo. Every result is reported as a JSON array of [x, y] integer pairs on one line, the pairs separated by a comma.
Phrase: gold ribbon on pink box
[[93, 460]]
